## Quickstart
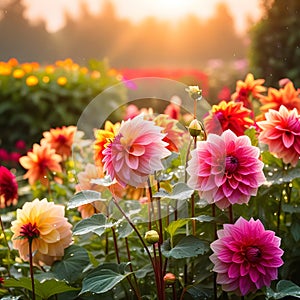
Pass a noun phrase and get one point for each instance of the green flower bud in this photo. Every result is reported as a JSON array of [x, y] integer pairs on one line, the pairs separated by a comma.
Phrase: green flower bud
[[196, 128], [194, 92], [152, 237]]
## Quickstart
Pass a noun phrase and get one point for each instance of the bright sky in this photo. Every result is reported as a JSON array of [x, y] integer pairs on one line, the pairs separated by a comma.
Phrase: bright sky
[[53, 10]]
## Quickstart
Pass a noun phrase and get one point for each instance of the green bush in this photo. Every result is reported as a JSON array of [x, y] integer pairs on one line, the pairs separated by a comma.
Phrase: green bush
[[34, 98]]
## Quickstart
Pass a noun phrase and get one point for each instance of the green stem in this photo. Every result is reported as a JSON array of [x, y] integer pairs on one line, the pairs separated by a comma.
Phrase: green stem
[[116, 245], [31, 268], [136, 288], [7, 245], [143, 243], [215, 237]]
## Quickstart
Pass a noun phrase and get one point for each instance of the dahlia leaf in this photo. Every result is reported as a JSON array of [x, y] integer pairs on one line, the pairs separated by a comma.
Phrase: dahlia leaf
[[189, 246], [124, 229], [181, 191], [101, 281], [252, 134], [175, 225], [284, 288], [84, 197], [44, 289], [73, 263], [97, 224]]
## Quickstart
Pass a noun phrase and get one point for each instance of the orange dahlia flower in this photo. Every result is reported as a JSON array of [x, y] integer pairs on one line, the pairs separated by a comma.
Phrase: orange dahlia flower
[[61, 140], [228, 115], [40, 162], [287, 96], [247, 90], [102, 138], [44, 225]]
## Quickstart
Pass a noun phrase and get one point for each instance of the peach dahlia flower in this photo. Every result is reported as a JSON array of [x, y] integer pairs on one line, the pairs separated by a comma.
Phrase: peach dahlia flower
[[60, 139], [39, 162], [44, 224]]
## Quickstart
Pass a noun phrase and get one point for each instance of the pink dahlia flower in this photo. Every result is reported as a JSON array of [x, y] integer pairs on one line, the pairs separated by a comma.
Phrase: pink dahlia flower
[[135, 152], [246, 256], [225, 169], [281, 132]]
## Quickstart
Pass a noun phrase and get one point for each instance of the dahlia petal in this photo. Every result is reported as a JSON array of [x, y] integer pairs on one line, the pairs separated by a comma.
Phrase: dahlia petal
[[287, 139], [254, 274], [244, 285], [233, 271]]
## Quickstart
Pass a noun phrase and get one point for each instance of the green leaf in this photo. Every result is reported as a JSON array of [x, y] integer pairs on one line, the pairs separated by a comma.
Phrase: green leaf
[[175, 225], [141, 273], [124, 229], [97, 223], [73, 263], [289, 208], [43, 289], [270, 159], [251, 133], [181, 191], [284, 288], [84, 197], [279, 176], [189, 246], [203, 218], [101, 281]]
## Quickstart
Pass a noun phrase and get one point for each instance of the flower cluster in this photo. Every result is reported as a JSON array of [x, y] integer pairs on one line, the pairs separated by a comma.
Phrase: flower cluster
[[213, 195]]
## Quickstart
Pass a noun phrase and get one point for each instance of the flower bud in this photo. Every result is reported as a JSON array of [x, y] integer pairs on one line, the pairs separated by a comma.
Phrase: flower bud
[[194, 92], [169, 278], [196, 128], [152, 237]]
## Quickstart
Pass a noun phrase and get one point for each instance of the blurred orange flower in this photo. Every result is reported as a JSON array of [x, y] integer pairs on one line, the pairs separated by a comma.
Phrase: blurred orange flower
[[39, 162], [5, 69], [43, 224], [102, 138], [287, 96], [228, 115], [18, 73], [62, 80], [60, 139], [32, 80], [247, 90]]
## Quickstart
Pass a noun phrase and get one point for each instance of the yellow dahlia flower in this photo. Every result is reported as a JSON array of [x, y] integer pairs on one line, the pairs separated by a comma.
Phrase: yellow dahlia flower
[[44, 225]]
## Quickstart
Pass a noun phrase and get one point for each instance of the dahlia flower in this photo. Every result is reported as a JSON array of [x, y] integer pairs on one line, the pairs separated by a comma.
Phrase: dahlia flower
[[102, 137], [287, 96], [136, 152], [281, 132], [225, 169], [85, 183], [39, 162], [248, 89], [174, 134], [44, 225], [8, 188], [228, 115], [60, 139], [246, 256]]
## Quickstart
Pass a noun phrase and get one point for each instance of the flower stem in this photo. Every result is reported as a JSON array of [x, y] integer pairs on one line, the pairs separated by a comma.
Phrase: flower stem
[[6, 244], [230, 210], [215, 237], [144, 245], [31, 268], [116, 245], [136, 288]]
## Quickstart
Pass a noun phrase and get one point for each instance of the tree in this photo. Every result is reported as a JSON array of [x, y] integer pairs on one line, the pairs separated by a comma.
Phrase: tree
[[275, 46]]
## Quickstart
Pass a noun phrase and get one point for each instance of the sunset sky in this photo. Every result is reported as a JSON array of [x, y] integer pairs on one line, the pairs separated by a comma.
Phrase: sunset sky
[[53, 10]]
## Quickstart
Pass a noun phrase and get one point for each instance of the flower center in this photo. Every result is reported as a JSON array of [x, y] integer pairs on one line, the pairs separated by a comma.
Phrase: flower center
[[29, 231], [253, 254], [61, 139], [219, 115], [231, 164]]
